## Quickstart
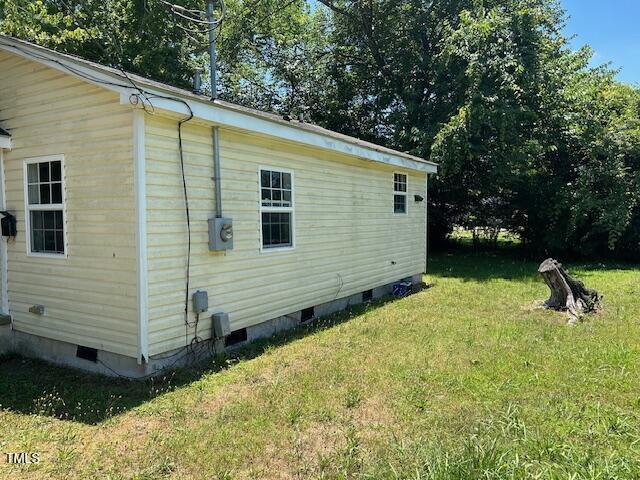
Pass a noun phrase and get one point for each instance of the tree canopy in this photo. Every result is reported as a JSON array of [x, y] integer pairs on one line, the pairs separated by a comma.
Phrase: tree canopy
[[529, 137]]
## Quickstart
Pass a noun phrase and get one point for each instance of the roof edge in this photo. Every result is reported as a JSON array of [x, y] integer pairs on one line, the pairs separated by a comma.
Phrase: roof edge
[[219, 112]]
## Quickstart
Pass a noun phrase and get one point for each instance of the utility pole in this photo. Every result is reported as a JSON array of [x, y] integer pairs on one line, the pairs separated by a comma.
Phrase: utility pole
[[212, 49]]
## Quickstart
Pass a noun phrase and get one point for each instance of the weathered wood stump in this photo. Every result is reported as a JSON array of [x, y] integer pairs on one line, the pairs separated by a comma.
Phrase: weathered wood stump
[[567, 293]]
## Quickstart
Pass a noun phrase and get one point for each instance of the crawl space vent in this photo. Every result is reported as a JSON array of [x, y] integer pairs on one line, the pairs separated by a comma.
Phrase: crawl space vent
[[367, 295], [87, 353], [235, 337], [307, 314]]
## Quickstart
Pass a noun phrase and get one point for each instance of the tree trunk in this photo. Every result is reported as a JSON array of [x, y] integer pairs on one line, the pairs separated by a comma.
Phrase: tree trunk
[[567, 293]]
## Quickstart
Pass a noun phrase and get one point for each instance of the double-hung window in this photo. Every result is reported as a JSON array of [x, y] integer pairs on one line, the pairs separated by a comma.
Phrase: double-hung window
[[44, 205], [399, 193], [276, 208]]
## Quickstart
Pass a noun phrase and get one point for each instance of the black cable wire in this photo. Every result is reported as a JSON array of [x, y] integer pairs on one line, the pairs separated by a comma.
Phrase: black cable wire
[[185, 351], [188, 214], [184, 120]]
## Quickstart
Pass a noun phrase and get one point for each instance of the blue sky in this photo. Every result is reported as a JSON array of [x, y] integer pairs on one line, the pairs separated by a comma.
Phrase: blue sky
[[612, 28]]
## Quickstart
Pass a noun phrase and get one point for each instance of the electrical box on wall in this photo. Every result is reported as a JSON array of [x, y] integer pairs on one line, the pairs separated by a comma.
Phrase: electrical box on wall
[[220, 325], [200, 302], [8, 224], [220, 234]]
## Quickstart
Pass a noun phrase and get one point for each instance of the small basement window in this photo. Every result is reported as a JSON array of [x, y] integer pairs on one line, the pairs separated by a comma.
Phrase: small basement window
[[307, 314], [399, 193], [236, 337], [87, 353], [276, 209], [44, 199], [367, 295]]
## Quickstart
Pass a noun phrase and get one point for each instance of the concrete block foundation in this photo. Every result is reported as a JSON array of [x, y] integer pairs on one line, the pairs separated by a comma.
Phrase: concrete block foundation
[[113, 364], [5, 339]]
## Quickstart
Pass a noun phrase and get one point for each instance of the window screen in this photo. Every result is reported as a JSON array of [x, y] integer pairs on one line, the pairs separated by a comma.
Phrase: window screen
[[276, 205], [399, 193], [45, 207]]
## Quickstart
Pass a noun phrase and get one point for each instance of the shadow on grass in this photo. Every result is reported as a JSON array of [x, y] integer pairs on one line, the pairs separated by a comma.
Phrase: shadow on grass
[[504, 262], [34, 387]]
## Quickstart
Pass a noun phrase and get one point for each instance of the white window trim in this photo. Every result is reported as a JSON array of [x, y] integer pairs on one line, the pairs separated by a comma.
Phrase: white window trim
[[406, 195], [277, 209], [28, 208]]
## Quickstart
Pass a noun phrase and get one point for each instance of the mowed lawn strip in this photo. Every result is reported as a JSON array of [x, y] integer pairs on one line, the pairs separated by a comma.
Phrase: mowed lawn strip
[[463, 380]]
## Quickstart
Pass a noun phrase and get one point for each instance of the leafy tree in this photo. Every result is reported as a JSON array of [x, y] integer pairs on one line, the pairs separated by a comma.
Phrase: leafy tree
[[268, 53], [529, 138], [132, 34]]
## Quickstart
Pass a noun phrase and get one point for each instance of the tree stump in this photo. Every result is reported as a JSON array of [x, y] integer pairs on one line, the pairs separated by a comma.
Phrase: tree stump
[[567, 293]]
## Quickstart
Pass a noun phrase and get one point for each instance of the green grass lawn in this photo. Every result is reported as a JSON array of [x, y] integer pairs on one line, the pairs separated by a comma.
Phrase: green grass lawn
[[461, 381]]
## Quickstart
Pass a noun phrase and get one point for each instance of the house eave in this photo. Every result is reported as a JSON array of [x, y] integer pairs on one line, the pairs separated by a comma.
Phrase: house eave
[[160, 96], [229, 117]]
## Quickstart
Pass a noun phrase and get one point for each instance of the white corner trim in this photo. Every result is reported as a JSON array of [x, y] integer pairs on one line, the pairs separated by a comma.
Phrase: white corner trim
[[139, 186], [5, 142], [4, 264]]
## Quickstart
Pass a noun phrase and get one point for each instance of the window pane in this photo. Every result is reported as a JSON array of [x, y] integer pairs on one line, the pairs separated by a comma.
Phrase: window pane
[[286, 181], [47, 231], [284, 231], [399, 182], [286, 196], [266, 230], [275, 180], [56, 171], [44, 171], [266, 194], [59, 223], [276, 229], [277, 195], [49, 220], [37, 241], [50, 240], [265, 178], [59, 241], [32, 172], [34, 195], [45, 193], [56, 193], [399, 204], [36, 220]]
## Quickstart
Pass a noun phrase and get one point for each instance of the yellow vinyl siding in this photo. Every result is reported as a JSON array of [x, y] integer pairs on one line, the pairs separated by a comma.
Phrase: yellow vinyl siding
[[91, 296], [347, 237]]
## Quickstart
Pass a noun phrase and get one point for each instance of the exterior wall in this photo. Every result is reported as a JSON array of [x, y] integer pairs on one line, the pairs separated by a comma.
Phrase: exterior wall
[[346, 237], [4, 300], [89, 296]]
